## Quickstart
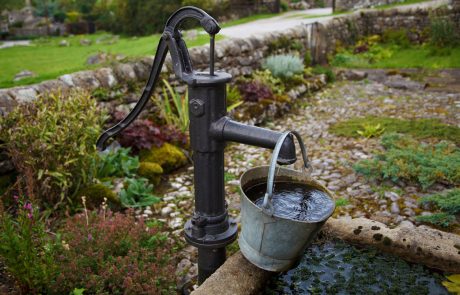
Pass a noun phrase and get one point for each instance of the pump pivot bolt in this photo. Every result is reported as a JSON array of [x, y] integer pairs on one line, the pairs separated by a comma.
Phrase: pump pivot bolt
[[197, 107]]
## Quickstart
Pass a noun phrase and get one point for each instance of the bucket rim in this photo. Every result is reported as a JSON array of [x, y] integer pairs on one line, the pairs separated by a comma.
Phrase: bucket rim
[[323, 188]]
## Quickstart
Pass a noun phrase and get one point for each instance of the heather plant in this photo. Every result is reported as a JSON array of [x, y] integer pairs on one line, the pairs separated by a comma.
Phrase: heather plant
[[52, 145], [284, 66], [137, 193], [26, 249], [406, 159], [106, 253]]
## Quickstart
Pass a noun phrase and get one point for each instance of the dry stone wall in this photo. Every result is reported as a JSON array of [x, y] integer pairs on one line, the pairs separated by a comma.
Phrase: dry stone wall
[[242, 56], [346, 5]]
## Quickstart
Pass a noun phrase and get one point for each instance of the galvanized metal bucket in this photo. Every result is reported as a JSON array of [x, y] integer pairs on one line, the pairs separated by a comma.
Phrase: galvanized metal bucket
[[270, 242]]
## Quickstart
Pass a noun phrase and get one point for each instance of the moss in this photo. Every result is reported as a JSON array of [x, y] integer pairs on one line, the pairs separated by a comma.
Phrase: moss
[[422, 128], [95, 194], [151, 171], [168, 156], [387, 241]]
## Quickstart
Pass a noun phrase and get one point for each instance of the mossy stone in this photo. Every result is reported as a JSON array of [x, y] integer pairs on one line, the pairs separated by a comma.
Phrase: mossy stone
[[168, 156], [151, 171], [95, 194]]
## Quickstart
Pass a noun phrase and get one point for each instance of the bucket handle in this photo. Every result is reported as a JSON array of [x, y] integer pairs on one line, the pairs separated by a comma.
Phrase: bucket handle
[[267, 206]]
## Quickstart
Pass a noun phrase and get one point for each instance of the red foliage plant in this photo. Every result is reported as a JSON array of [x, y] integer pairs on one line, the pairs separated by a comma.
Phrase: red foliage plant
[[107, 253], [143, 134], [255, 91]]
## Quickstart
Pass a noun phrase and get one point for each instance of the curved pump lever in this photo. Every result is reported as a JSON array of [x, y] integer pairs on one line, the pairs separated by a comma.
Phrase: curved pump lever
[[171, 40]]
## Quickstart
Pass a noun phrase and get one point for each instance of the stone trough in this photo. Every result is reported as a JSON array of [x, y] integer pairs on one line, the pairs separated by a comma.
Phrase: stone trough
[[424, 245]]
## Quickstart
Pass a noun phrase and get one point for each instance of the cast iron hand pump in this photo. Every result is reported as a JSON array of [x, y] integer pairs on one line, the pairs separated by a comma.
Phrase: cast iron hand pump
[[210, 229]]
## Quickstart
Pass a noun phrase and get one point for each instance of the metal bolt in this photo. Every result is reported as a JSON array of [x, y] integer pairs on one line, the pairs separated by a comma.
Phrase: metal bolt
[[197, 107]]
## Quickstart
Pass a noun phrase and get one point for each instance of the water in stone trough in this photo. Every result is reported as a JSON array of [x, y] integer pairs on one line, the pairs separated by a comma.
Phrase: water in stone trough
[[294, 201], [335, 267]]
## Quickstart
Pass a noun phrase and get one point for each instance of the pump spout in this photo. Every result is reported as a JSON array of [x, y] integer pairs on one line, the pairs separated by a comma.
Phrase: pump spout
[[226, 129]]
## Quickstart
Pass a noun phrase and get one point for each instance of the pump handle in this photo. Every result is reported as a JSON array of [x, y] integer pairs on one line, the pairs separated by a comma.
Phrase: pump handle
[[172, 41]]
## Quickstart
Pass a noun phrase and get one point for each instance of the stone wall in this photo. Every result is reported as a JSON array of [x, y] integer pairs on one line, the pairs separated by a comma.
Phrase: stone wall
[[242, 56]]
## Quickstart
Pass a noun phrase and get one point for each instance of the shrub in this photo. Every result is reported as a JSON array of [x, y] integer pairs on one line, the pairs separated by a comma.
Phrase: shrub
[[330, 76], [284, 66], [438, 219], [406, 159], [137, 193], [277, 86], [52, 144], [113, 254], [26, 249], [144, 134], [443, 33], [255, 91], [448, 202], [117, 163], [396, 37]]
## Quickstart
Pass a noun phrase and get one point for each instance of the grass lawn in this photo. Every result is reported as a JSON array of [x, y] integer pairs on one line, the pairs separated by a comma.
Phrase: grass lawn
[[413, 57], [48, 60], [405, 2]]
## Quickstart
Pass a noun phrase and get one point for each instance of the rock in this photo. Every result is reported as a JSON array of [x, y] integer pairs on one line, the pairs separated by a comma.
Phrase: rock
[[148, 212], [166, 211], [353, 75], [97, 58], [176, 223], [191, 35], [24, 74], [85, 42], [301, 5], [392, 196], [406, 224], [64, 43]]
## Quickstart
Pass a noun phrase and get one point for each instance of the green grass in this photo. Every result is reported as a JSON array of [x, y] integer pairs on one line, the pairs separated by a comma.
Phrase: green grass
[[413, 57], [48, 60], [248, 19], [420, 129], [406, 2]]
